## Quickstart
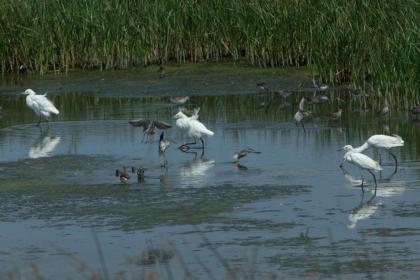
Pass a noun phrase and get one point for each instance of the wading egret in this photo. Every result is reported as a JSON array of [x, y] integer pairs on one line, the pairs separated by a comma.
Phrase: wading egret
[[163, 145], [149, 126], [40, 105], [122, 174], [362, 161], [193, 127], [242, 153], [386, 142], [301, 115]]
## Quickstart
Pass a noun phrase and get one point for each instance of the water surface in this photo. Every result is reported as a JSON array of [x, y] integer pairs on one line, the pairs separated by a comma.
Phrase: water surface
[[289, 211]]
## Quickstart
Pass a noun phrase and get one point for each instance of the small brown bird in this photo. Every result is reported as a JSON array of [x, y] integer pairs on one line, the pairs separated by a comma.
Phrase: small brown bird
[[179, 100], [140, 173], [263, 87], [242, 153], [149, 126], [163, 145], [162, 73], [415, 112], [385, 109], [122, 174], [336, 115]]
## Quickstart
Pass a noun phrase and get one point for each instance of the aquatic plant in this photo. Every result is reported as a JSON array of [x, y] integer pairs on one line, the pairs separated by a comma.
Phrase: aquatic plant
[[372, 44]]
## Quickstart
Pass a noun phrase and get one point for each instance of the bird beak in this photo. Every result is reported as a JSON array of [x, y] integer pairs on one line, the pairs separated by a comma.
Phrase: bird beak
[[340, 149]]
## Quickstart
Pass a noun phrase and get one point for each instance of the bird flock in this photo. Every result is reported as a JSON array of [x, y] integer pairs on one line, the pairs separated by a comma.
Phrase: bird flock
[[196, 130]]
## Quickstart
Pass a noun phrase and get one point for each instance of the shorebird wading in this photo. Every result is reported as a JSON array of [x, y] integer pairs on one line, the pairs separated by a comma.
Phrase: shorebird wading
[[193, 127], [40, 104]]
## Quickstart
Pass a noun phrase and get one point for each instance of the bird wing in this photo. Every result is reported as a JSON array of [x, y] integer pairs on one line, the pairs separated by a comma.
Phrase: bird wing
[[385, 141], [140, 123], [197, 126], [44, 104], [302, 104], [363, 161], [195, 113], [162, 124]]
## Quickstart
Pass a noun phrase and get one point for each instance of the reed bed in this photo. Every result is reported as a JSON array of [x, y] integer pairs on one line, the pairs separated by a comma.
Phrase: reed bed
[[373, 44]]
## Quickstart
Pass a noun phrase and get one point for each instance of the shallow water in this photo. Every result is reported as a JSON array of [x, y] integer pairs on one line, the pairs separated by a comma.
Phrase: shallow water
[[289, 211]]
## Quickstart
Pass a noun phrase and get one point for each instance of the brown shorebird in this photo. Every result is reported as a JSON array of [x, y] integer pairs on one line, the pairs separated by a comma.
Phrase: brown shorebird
[[122, 174], [149, 126], [242, 153]]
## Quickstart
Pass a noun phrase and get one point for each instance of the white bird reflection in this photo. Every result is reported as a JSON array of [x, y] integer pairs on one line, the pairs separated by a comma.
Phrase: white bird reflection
[[195, 171], [43, 146], [367, 208]]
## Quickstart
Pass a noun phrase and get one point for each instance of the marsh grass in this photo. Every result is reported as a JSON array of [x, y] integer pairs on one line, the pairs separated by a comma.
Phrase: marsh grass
[[373, 44]]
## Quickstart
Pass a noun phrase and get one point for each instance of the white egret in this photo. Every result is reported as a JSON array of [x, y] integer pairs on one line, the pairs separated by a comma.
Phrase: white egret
[[40, 105], [193, 127], [362, 161], [302, 115], [380, 141], [163, 145], [242, 153]]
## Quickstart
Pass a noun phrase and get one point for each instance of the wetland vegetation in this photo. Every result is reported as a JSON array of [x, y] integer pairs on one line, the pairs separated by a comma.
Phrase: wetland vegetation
[[373, 45]]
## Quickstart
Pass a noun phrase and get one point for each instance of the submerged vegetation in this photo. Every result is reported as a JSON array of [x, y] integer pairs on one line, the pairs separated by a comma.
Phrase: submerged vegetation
[[372, 44]]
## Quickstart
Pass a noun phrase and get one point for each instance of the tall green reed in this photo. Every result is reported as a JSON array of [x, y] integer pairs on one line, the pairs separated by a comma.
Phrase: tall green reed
[[372, 44]]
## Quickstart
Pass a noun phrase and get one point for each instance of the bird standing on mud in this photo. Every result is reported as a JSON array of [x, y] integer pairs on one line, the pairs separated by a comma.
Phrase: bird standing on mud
[[242, 153], [40, 105]]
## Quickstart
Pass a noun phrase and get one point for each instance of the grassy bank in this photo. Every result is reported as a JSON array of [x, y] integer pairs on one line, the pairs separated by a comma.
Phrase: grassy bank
[[374, 43]]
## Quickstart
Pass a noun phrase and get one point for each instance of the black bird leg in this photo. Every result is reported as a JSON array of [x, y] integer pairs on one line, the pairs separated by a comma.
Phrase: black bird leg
[[396, 161]]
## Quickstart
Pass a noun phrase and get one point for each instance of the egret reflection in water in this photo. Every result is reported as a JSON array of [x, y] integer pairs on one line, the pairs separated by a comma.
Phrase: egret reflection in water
[[44, 146], [195, 171], [367, 208]]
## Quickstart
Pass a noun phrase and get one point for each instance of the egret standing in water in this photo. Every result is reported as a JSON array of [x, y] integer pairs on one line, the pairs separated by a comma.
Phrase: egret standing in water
[[40, 105], [193, 127], [362, 161], [380, 141]]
